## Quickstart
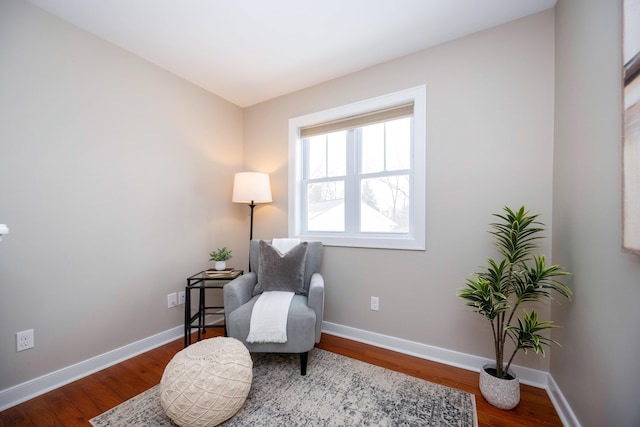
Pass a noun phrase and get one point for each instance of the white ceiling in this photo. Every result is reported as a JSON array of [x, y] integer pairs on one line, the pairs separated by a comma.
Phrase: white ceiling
[[249, 51]]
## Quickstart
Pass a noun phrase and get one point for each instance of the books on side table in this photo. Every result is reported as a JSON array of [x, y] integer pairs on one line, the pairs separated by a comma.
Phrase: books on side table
[[227, 273]]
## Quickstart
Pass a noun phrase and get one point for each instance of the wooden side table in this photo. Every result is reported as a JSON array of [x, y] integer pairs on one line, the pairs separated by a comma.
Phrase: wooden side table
[[201, 281]]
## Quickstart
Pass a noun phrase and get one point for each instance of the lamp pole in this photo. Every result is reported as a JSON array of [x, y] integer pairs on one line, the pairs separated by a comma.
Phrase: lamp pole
[[251, 205]]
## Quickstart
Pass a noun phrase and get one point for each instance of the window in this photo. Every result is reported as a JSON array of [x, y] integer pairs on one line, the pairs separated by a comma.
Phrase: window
[[357, 173], [631, 133]]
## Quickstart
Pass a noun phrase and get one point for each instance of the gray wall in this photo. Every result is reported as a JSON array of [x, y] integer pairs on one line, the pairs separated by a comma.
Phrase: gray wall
[[489, 143], [598, 368], [115, 182]]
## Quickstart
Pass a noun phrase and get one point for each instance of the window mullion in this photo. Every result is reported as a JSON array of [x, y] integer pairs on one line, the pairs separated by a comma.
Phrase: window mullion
[[302, 191], [384, 144], [351, 197], [326, 155]]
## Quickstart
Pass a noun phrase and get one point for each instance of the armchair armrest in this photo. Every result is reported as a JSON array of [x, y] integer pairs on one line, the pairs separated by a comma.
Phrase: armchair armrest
[[238, 291], [315, 300]]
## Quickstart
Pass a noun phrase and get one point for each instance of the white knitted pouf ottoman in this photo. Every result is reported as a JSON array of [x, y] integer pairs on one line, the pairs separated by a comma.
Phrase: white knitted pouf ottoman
[[207, 382]]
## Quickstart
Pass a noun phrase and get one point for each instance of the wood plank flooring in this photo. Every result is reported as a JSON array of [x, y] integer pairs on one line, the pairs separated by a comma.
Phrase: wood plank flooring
[[74, 404]]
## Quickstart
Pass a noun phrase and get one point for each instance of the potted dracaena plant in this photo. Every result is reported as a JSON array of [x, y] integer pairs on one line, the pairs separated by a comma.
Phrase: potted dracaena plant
[[220, 256], [498, 293]]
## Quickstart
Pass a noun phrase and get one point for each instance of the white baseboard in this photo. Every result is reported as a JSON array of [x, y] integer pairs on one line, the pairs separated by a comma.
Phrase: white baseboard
[[37, 386], [469, 362], [565, 412]]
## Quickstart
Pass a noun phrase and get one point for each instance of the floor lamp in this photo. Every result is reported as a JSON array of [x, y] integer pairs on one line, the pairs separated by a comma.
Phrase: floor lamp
[[251, 188]]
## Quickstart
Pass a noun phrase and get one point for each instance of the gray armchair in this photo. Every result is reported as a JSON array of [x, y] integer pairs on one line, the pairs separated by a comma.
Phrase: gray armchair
[[304, 320]]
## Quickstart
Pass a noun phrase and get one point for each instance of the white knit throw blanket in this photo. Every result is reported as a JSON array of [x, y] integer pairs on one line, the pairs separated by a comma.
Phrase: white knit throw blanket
[[269, 315]]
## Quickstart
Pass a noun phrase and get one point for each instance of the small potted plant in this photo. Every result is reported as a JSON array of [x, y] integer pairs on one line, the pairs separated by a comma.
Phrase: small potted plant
[[220, 257], [498, 292]]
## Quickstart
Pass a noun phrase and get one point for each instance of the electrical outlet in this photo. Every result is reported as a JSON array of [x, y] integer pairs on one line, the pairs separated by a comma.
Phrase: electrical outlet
[[24, 340], [172, 300], [181, 297], [375, 303]]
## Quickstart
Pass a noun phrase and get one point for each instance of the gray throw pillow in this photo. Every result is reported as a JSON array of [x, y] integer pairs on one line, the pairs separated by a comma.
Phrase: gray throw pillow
[[278, 272]]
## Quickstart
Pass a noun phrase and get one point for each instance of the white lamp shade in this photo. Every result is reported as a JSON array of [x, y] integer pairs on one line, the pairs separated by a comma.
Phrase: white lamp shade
[[251, 187]]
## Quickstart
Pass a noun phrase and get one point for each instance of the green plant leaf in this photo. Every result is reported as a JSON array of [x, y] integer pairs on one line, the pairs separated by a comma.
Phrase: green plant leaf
[[222, 254], [483, 298], [526, 336]]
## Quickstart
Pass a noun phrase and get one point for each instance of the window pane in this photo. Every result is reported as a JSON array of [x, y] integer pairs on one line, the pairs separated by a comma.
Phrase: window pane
[[327, 155], [398, 149], [317, 156], [384, 206], [325, 206], [372, 148], [386, 146], [337, 153]]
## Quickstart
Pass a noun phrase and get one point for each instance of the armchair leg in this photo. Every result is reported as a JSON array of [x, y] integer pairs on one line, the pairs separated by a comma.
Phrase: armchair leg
[[303, 363]]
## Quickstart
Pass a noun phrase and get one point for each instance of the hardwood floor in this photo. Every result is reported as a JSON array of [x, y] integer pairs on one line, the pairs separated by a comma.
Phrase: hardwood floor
[[74, 404]]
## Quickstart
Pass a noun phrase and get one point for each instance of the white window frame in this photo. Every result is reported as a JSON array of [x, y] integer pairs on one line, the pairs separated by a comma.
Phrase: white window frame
[[415, 238]]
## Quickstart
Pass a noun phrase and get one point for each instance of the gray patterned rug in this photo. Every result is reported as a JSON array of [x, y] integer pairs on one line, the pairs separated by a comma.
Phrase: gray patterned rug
[[337, 391]]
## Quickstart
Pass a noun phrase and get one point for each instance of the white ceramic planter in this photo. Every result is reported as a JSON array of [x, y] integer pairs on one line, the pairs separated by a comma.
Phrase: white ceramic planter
[[220, 265], [503, 394]]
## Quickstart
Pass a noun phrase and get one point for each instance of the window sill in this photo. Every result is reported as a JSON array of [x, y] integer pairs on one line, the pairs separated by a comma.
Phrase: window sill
[[374, 242]]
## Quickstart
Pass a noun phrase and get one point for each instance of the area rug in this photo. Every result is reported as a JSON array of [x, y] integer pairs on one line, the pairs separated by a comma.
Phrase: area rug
[[337, 391]]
